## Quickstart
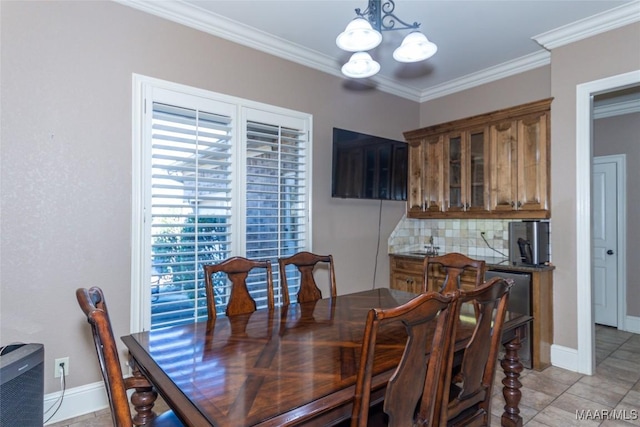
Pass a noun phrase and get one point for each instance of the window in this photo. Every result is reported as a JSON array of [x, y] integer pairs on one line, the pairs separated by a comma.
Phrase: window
[[214, 177]]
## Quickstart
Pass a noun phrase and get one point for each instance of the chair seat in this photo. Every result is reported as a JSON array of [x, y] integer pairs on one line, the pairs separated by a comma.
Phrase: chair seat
[[166, 419]]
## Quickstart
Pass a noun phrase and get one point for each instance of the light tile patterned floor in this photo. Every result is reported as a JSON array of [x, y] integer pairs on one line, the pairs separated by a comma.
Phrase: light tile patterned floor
[[554, 396], [549, 398]]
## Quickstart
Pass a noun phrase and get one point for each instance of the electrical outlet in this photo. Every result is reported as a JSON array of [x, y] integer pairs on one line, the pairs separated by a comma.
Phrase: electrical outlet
[[56, 367]]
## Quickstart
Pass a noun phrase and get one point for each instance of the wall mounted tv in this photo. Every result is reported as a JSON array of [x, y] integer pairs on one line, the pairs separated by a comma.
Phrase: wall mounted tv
[[368, 167]]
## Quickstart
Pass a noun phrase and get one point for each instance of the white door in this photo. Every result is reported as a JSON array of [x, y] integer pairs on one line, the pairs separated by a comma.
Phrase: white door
[[604, 234]]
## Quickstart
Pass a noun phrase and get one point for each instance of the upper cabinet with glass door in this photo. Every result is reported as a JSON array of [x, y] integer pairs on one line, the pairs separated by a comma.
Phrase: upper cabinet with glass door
[[494, 165], [466, 187]]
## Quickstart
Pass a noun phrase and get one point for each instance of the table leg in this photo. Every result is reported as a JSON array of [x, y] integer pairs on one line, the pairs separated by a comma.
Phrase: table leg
[[511, 390]]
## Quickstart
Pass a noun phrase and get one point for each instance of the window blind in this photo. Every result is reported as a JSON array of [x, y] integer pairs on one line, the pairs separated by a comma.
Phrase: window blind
[[190, 208], [276, 193]]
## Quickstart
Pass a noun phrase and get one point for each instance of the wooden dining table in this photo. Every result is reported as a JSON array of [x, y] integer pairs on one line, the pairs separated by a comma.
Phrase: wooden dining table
[[294, 365]]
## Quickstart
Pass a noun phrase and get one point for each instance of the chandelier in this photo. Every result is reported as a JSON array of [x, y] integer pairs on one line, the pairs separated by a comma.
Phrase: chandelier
[[364, 33]]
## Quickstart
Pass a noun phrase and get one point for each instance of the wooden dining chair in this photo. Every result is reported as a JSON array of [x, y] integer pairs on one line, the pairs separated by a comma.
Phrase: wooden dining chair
[[470, 385], [305, 263], [237, 270], [94, 306], [454, 265], [411, 395]]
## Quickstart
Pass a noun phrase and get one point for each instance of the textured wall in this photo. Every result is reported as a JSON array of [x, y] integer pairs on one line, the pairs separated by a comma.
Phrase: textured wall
[[574, 64]]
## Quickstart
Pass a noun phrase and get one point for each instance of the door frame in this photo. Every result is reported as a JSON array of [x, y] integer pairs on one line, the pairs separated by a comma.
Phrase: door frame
[[621, 231], [584, 291]]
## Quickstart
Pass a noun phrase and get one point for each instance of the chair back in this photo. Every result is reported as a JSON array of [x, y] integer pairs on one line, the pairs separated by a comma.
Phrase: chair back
[[454, 265], [305, 263], [412, 392], [237, 270], [93, 305], [470, 388]]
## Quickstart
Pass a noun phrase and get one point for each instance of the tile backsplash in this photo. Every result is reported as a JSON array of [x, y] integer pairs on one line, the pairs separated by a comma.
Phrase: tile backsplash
[[452, 235]]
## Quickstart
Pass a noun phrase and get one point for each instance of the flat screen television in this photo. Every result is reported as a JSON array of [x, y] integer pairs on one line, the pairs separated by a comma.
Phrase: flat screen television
[[368, 167]]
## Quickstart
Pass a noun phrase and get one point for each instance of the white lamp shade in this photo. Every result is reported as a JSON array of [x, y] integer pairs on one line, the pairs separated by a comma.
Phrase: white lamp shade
[[360, 65], [358, 36], [415, 47]]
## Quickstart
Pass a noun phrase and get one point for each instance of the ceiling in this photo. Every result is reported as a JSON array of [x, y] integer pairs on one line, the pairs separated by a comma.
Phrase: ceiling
[[478, 40]]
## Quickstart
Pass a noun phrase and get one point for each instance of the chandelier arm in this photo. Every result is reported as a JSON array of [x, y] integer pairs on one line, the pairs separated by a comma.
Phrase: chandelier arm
[[381, 17], [388, 20]]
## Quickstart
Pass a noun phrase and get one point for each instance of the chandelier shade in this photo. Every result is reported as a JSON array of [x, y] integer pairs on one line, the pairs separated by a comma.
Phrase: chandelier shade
[[364, 33], [415, 47], [361, 65], [358, 36]]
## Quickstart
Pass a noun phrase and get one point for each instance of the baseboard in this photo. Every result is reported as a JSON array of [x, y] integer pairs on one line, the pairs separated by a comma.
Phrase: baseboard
[[564, 357], [77, 401], [632, 324]]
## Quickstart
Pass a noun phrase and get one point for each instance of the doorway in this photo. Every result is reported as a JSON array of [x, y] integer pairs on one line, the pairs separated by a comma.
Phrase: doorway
[[584, 95]]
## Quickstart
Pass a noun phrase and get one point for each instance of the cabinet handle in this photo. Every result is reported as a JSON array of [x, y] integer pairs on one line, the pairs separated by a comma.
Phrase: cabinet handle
[[519, 204], [513, 204], [409, 281]]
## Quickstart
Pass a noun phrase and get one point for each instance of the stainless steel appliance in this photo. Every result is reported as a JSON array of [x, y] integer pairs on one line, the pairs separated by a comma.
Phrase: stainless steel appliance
[[519, 302], [529, 242]]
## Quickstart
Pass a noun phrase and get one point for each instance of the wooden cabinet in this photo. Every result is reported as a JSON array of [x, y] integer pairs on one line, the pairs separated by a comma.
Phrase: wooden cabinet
[[426, 175], [520, 165], [406, 274], [495, 165], [465, 171], [542, 307]]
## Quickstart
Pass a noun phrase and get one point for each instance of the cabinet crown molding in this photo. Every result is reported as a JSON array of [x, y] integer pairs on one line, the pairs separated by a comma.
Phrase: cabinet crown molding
[[485, 119]]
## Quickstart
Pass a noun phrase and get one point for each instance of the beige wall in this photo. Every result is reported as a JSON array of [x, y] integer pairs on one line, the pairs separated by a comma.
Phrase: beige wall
[[66, 159], [605, 55], [621, 135], [519, 89]]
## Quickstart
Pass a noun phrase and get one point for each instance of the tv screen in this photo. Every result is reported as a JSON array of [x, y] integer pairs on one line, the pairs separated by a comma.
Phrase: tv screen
[[368, 167]]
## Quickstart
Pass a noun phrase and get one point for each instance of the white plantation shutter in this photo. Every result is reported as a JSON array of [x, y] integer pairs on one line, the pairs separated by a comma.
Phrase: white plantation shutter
[[276, 190], [209, 186], [190, 207]]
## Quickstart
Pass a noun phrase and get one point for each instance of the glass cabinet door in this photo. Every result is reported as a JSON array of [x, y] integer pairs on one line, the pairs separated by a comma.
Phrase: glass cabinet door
[[477, 198], [455, 172]]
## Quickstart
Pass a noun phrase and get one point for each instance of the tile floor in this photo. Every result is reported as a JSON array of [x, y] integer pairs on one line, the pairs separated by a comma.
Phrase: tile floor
[[551, 397]]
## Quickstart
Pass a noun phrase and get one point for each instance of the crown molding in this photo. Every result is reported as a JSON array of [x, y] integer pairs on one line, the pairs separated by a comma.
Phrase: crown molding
[[616, 109], [594, 25], [497, 72], [237, 32]]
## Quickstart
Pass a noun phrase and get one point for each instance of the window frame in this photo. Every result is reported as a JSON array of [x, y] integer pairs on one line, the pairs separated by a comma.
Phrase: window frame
[[146, 90]]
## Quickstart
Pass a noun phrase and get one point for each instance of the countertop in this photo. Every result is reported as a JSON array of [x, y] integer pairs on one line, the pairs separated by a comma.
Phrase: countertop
[[493, 263]]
